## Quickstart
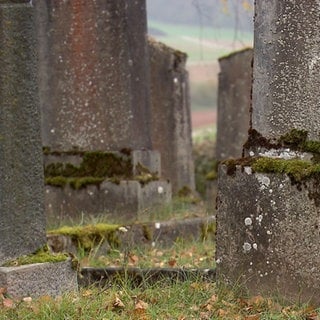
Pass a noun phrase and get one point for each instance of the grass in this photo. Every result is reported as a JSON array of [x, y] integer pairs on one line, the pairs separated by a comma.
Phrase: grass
[[192, 299], [197, 254]]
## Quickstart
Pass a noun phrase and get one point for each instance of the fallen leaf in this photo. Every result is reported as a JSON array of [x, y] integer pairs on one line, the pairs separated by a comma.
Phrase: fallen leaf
[[133, 258], [8, 303], [172, 262], [140, 305], [118, 304], [27, 299]]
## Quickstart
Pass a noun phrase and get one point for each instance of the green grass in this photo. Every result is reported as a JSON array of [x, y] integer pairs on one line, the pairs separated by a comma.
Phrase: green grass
[[192, 299]]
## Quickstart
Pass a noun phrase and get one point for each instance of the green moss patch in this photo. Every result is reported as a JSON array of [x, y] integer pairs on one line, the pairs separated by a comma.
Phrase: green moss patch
[[40, 256], [94, 169], [297, 169], [89, 236]]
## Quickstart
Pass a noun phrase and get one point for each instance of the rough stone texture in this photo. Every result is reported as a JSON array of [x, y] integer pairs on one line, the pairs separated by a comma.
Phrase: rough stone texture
[[286, 68], [170, 114], [234, 100], [268, 233], [22, 219], [41, 279], [94, 73], [122, 201]]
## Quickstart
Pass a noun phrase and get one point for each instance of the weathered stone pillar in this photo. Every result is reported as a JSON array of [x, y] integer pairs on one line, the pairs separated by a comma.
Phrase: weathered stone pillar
[[234, 100], [22, 219], [286, 68], [94, 96], [94, 89], [268, 203], [171, 114]]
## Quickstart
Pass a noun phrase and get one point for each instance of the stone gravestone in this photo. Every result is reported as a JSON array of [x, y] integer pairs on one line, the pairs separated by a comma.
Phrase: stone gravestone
[[171, 114], [22, 218], [94, 94], [234, 100], [268, 203]]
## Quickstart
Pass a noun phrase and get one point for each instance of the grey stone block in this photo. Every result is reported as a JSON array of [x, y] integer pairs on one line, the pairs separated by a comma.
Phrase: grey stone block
[[171, 114], [268, 233], [122, 201], [22, 218], [234, 101], [286, 68], [94, 90], [39, 279]]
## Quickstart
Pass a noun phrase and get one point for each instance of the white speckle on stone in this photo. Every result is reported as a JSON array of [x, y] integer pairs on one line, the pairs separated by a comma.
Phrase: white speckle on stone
[[255, 246], [248, 221], [157, 225], [160, 190], [175, 80], [266, 273], [280, 186], [50, 205], [263, 180], [90, 193], [219, 260], [248, 170], [47, 191], [251, 153], [123, 229], [52, 131], [269, 232], [246, 247], [268, 262], [101, 141], [270, 191], [251, 263], [106, 191], [153, 244], [130, 62], [259, 218]]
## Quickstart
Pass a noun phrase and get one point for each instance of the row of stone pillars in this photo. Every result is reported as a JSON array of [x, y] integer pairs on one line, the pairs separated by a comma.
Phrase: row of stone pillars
[[268, 202], [94, 97]]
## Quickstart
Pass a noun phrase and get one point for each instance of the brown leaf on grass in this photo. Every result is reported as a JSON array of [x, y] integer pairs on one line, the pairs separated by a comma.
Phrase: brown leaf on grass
[[2, 292], [117, 304], [172, 262], [256, 301], [8, 303], [140, 305], [133, 258], [87, 293]]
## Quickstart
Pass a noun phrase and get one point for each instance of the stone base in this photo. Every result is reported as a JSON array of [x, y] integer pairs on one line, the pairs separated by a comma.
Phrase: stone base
[[39, 279], [268, 233], [122, 201]]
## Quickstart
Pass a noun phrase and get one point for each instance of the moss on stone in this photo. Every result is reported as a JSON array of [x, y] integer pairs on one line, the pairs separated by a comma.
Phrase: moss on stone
[[89, 236], [212, 175], [42, 255], [95, 168], [295, 168], [208, 229], [147, 233]]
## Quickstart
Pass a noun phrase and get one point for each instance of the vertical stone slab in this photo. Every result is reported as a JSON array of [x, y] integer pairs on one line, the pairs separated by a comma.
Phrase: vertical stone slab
[[286, 68], [170, 114], [94, 73], [268, 203], [234, 100], [22, 219]]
